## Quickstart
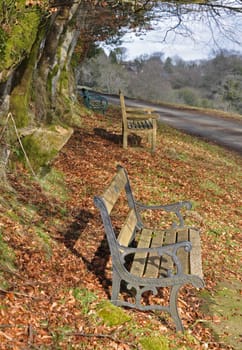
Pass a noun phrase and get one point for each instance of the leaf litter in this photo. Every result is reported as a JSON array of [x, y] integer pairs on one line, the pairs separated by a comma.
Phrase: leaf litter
[[60, 249]]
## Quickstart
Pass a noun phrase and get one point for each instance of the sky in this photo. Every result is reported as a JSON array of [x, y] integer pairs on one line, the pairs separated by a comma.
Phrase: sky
[[198, 43], [199, 46]]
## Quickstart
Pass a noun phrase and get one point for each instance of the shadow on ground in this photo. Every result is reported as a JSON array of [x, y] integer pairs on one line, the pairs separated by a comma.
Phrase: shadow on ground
[[225, 308], [133, 140], [97, 265]]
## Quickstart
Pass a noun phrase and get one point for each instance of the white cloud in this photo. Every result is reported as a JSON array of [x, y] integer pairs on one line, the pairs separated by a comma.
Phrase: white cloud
[[199, 42], [185, 48]]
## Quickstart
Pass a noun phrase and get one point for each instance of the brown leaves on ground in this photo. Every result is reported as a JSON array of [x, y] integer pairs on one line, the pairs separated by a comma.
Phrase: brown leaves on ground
[[38, 309]]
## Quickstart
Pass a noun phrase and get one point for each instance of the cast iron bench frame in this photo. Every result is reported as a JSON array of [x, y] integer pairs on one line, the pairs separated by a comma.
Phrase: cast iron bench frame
[[94, 101], [138, 120], [160, 258]]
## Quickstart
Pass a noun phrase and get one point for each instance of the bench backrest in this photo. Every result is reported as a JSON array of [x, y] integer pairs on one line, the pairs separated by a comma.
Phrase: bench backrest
[[94, 101], [106, 203]]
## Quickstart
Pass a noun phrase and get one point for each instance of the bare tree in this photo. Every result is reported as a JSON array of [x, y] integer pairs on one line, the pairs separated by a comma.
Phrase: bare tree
[[224, 17]]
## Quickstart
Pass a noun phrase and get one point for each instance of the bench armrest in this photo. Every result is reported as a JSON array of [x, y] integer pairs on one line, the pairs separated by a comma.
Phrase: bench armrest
[[169, 249], [171, 208], [141, 114], [139, 110], [96, 97]]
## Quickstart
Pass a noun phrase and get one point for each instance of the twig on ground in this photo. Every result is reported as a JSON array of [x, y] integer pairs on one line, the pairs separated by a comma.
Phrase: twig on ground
[[8, 270], [107, 336], [6, 336], [18, 294], [30, 335]]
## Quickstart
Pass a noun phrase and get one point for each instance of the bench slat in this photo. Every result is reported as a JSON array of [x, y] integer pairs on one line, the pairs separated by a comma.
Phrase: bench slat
[[139, 262], [153, 262], [167, 262], [127, 231], [140, 124], [195, 254], [183, 256], [112, 193]]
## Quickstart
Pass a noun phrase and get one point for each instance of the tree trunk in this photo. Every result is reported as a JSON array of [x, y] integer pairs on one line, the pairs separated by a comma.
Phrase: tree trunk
[[39, 89]]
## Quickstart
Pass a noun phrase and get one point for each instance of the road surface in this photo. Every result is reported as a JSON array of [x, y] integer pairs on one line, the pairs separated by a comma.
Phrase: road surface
[[222, 131]]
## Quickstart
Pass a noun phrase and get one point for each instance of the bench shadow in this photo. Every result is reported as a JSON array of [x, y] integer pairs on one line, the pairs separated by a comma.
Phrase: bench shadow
[[97, 265], [133, 139]]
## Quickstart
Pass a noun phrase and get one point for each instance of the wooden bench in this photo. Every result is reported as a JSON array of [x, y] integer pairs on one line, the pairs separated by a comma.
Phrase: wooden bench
[[138, 120], [147, 259], [94, 101]]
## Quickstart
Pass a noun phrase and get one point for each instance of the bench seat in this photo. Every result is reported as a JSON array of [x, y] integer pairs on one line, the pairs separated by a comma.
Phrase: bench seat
[[149, 265]]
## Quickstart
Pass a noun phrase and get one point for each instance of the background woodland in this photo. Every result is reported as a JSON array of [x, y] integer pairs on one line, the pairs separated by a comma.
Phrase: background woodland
[[213, 83]]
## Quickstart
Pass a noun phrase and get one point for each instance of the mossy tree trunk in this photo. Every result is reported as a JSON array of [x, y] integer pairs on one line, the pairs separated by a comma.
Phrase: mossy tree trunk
[[47, 73], [37, 88]]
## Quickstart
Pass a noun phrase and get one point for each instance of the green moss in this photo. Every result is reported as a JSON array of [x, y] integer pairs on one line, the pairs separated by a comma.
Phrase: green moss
[[43, 145], [44, 240], [111, 314], [225, 307], [52, 73], [212, 186], [64, 81], [54, 183], [20, 46], [37, 156], [3, 42], [22, 35], [85, 297], [13, 215], [7, 258], [23, 92], [154, 343], [19, 108], [59, 335], [6, 253]]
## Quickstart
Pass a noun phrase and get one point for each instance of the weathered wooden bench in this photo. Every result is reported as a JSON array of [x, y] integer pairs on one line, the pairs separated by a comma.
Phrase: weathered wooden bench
[[94, 101], [144, 258], [135, 120]]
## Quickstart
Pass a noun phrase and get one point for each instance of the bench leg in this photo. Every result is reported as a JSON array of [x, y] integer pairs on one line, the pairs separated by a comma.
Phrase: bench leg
[[153, 145], [116, 280], [125, 139], [173, 308]]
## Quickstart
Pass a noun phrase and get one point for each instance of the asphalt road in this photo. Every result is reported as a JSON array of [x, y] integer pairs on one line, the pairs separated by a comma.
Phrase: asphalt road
[[222, 131]]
